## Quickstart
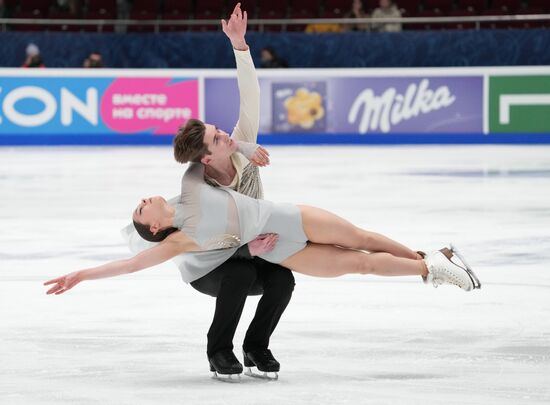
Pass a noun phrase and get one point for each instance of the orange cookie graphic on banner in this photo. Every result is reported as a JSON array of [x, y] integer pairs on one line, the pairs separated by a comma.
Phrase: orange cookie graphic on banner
[[304, 108]]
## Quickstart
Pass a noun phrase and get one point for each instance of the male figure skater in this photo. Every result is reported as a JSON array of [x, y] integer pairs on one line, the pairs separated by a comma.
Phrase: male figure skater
[[241, 275]]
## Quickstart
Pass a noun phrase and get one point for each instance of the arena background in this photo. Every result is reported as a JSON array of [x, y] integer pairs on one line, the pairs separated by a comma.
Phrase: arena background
[[438, 133]]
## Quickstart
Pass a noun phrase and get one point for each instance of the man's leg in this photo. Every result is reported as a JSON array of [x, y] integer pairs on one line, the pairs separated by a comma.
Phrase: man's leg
[[230, 284], [278, 284]]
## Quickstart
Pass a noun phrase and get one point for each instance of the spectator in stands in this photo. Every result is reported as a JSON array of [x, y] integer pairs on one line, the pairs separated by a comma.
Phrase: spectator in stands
[[34, 59], [62, 5], [386, 9], [357, 11], [94, 60], [71, 6], [123, 9], [122, 13], [270, 59], [324, 28]]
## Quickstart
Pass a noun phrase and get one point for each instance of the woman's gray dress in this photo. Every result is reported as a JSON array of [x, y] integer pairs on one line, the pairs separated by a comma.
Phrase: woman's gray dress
[[221, 220]]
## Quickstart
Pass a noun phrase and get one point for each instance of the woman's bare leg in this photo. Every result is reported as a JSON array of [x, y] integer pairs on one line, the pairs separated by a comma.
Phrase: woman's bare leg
[[324, 227], [332, 261]]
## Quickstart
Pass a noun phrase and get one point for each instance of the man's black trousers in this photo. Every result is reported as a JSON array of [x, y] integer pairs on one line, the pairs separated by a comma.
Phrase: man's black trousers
[[231, 283]]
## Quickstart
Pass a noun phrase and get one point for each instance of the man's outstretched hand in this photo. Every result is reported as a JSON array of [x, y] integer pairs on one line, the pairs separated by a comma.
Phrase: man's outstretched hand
[[235, 28]]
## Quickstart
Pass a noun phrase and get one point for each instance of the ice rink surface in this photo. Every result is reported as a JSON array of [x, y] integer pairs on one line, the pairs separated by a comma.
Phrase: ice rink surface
[[141, 338]]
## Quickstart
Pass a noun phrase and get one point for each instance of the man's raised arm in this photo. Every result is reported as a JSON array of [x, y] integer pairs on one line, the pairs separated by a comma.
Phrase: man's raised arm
[[249, 88]]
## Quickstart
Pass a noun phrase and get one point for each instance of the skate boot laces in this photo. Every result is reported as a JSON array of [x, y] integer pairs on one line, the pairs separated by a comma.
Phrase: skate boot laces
[[442, 270]]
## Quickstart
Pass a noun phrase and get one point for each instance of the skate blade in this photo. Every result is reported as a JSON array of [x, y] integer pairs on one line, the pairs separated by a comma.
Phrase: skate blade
[[227, 378], [473, 277], [263, 375]]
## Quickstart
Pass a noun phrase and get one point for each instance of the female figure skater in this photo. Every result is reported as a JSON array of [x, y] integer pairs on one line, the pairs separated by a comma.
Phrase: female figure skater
[[209, 224]]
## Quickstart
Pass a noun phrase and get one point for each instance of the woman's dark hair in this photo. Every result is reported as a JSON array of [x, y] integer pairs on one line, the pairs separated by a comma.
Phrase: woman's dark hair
[[145, 232]]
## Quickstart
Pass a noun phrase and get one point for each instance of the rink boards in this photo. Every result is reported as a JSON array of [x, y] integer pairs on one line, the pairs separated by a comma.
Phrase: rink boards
[[297, 106]]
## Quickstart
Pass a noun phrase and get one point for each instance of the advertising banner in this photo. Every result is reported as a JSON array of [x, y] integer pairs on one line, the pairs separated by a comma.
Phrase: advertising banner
[[519, 104], [346, 106], [355, 105], [55, 106]]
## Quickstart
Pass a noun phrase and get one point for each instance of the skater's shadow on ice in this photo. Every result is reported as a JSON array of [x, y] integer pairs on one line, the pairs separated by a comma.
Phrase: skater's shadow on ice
[[175, 381], [202, 380]]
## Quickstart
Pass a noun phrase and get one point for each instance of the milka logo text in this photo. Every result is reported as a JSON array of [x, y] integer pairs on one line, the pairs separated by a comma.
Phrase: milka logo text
[[380, 113]]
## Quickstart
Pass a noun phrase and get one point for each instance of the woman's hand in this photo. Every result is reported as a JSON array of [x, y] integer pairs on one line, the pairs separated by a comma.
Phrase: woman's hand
[[260, 157], [263, 244], [63, 283]]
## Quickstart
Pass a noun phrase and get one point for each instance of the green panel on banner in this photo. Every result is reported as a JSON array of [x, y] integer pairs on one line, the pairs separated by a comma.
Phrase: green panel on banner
[[519, 104]]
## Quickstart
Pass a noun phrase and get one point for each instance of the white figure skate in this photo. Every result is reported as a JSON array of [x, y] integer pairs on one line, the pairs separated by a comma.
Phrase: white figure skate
[[448, 266]]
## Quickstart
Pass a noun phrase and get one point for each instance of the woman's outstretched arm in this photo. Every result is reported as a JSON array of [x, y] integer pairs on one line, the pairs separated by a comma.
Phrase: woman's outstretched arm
[[173, 245]]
